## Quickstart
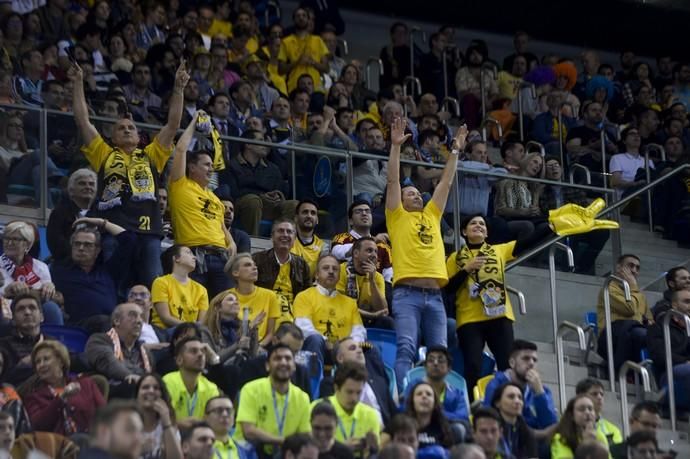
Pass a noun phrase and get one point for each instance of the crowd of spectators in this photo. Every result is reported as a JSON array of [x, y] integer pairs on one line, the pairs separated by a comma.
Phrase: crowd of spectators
[[198, 348]]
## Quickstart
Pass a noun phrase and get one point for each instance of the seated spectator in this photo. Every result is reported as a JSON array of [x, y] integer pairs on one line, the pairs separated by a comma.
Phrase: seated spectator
[[468, 87], [86, 280], [680, 344], [257, 77], [57, 402], [566, 79], [586, 247], [242, 107], [518, 438], [539, 410], [118, 430], [16, 347], [240, 237], [629, 319], [669, 196], [119, 354], [141, 296], [176, 297], [623, 167], [32, 443], [188, 388], [583, 143], [577, 425], [487, 431], [324, 421], [23, 273], [591, 450], [290, 405], [437, 366], [510, 79], [297, 446], [11, 404], [361, 220], [81, 190], [283, 272], [677, 278], [225, 325], [220, 416], [307, 244], [360, 280], [162, 439], [433, 429], [197, 441], [545, 129], [262, 303], [27, 86], [595, 390], [403, 430], [325, 315], [644, 417], [257, 186]]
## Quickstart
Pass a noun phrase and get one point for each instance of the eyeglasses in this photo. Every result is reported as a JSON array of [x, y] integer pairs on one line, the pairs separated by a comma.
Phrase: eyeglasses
[[439, 360], [361, 211], [220, 410], [84, 244], [13, 240], [142, 295], [329, 428]]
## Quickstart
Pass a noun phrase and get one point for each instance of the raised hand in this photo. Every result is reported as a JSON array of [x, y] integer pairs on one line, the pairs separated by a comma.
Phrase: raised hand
[[398, 136], [75, 73], [460, 138], [181, 75]]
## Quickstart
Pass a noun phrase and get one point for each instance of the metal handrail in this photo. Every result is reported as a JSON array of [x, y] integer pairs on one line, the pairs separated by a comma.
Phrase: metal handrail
[[607, 324], [343, 44], [452, 100], [669, 361], [494, 121], [564, 327], [521, 299], [534, 143], [535, 250], [486, 66], [552, 280], [445, 73], [588, 175], [662, 275], [561, 140], [370, 61], [521, 121], [655, 146], [416, 84], [648, 178], [267, 17], [622, 383]]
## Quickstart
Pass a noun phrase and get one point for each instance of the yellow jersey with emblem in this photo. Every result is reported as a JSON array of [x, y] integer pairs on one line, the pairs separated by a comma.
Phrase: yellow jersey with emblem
[[283, 289], [196, 214], [332, 316], [185, 301], [362, 286], [417, 244], [261, 299], [293, 47], [310, 252]]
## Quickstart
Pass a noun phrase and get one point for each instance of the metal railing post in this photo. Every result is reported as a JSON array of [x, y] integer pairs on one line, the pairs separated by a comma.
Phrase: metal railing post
[[658, 147], [560, 129], [43, 128], [349, 179], [588, 175], [343, 44], [416, 84], [669, 361], [564, 327], [552, 280], [445, 74], [602, 141], [413, 31], [648, 177], [451, 101], [534, 143], [521, 299], [607, 324], [370, 61], [499, 128], [521, 121], [456, 209], [486, 66], [622, 383]]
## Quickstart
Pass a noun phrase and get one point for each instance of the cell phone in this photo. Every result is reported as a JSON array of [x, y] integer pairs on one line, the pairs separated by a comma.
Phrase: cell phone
[[70, 55]]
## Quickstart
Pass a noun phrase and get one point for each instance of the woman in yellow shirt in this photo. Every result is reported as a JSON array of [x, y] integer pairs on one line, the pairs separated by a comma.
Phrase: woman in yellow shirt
[[577, 425]]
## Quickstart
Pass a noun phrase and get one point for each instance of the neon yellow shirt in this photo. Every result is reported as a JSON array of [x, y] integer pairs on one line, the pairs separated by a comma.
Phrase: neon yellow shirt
[[227, 450], [358, 424], [185, 404], [560, 450]]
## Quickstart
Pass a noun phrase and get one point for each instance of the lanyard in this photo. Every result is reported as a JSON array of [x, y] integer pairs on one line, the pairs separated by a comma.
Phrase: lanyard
[[342, 429], [280, 420], [220, 456], [190, 409]]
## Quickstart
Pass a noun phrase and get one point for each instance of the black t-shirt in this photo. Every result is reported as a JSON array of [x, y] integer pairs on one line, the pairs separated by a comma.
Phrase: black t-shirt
[[338, 451], [431, 435], [585, 134]]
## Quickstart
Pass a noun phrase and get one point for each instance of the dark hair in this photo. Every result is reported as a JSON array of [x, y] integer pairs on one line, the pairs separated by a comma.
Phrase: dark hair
[[487, 413], [106, 414], [180, 331], [193, 157], [357, 245], [508, 146], [466, 220], [401, 423], [30, 295], [647, 405], [297, 91], [168, 257], [437, 417], [426, 134], [642, 436], [276, 347], [395, 25], [357, 203], [552, 158], [591, 450], [566, 426], [522, 345], [671, 274], [440, 350], [586, 384], [324, 408], [236, 86], [179, 347], [289, 328], [217, 397], [306, 201], [627, 255], [186, 434], [349, 370], [212, 99], [295, 442], [165, 395]]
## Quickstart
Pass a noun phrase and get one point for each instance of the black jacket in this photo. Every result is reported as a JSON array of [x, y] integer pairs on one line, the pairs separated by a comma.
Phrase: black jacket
[[680, 345], [269, 268]]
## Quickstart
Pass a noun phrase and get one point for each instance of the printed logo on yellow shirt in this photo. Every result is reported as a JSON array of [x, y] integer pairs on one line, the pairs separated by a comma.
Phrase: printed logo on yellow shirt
[[424, 234], [207, 208]]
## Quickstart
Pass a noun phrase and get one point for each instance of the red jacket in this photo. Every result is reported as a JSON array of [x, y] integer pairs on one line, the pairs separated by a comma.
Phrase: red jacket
[[47, 410]]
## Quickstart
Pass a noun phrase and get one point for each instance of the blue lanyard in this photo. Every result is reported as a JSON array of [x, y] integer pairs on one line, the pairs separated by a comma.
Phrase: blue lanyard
[[190, 410], [342, 429], [280, 420], [220, 456]]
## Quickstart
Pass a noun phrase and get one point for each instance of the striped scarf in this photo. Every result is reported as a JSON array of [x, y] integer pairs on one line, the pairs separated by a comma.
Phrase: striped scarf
[[117, 350]]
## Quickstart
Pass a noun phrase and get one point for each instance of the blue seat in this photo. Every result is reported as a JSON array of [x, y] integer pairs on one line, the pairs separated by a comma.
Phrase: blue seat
[[384, 340], [644, 354], [74, 338], [453, 379], [488, 365], [392, 381], [592, 321], [315, 376]]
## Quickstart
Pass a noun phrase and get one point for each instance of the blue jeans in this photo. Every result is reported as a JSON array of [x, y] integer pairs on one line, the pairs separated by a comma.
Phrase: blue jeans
[[317, 344], [414, 307], [52, 314], [681, 380], [143, 261], [214, 279]]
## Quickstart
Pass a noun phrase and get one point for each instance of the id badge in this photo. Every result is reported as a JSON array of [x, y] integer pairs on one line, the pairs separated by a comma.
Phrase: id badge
[[474, 290]]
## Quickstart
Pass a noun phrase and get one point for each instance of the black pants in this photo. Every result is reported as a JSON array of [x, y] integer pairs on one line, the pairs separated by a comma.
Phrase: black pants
[[629, 338], [497, 333]]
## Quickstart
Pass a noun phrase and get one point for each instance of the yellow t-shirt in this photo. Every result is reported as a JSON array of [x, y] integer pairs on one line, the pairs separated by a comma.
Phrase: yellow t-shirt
[[219, 27], [292, 47], [196, 214], [227, 450], [261, 299], [508, 85], [262, 406], [417, 243], [283, 289], [277, 79], [364, 419], [363, 286], [333, 317], [468, 309], [185, 404], [185, 301], [309, 252]]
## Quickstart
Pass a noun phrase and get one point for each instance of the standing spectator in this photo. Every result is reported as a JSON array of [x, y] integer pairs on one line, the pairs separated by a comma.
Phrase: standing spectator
[[57, 402], [127, 202], [395, 56], [81, 190], [629, 319], [302, 52], [117, 432], [28, 86], [160, 431], [624, 166], [307, 244], [518, 438], [264, 94], [188, 387], [415, 231], [577, 425], [176, 297]]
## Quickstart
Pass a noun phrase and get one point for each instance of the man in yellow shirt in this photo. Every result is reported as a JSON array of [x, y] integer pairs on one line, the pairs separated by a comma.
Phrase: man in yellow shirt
[[302, 52], [418, 253], [176, 297], [196, 213], [307, 244], [360, 280], [188, 388], [324, 315], [260, 301], [356, 421], [273, 408]]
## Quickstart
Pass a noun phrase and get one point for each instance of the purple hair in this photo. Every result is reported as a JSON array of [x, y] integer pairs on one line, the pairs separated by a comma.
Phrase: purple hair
[[541, 75]]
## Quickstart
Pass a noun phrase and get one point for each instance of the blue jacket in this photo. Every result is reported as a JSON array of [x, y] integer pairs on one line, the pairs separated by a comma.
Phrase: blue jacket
[[454, 402], [539, 411], [542, 127]]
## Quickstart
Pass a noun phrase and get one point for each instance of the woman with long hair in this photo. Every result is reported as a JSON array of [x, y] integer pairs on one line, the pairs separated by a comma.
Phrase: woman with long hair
[[577, 425], [518, 439], [225, 325], [433, 429], [161, 436]]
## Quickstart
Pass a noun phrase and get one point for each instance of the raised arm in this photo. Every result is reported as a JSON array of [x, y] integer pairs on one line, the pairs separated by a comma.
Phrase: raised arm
[[398, 137], [440, 196], [179, 165], [167, 134], [79, 107]]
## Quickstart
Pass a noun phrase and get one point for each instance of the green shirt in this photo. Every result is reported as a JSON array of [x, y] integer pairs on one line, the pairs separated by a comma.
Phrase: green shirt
[[185, 404], [364, 419], [227, 450]]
